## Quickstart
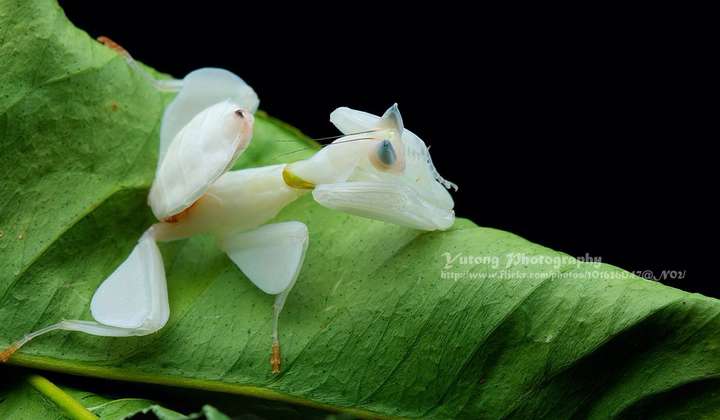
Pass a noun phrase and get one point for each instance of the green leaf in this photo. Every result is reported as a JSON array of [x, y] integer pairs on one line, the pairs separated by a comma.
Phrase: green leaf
[[31, 396], [372, 328], [115, 402], [120, 408]]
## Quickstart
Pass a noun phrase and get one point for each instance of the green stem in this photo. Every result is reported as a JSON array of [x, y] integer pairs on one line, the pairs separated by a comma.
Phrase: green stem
[[65, 402]]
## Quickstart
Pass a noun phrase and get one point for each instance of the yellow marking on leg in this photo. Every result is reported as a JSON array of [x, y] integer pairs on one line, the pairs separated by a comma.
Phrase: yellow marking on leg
[[295, 181]]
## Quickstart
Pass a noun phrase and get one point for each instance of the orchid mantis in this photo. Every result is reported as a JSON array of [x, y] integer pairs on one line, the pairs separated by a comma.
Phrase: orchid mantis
[[378, 169]]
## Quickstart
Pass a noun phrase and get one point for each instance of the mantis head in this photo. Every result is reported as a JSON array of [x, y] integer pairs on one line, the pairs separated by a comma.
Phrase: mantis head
[[392, 178]]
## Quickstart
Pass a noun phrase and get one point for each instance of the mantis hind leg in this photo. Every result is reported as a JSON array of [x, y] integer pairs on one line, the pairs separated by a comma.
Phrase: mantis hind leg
[[87, 327], [132, 301], [163, 85], [275, 356], [271, 256]]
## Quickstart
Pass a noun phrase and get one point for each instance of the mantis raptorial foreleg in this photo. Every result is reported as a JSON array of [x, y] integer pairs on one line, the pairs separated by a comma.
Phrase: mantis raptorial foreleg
[[392, 203]]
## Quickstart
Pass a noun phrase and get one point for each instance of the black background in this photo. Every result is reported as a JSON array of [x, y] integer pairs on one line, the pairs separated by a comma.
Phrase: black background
[[567, 127]]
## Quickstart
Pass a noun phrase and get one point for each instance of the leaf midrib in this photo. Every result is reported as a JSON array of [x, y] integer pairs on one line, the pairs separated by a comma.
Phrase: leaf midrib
[[59, 365]]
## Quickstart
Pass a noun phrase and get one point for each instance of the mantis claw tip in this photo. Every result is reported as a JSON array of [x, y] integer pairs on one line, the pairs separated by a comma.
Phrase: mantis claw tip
[[275, 359], [7, 353], [113, 45]]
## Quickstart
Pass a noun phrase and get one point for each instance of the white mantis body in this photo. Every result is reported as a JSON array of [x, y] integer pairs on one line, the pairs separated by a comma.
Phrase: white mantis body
[[378, 170]]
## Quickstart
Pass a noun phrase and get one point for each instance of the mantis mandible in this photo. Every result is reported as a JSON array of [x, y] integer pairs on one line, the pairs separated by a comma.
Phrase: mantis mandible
[[377, 169]]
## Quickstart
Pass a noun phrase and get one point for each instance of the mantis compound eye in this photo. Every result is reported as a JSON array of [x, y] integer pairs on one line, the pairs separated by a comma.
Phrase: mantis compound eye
[[386, 153], [240, 113], [384, 156]]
